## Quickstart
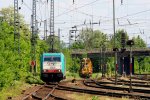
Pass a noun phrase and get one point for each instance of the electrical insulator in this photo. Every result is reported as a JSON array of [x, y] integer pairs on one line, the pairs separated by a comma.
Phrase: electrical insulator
[[71, 36]]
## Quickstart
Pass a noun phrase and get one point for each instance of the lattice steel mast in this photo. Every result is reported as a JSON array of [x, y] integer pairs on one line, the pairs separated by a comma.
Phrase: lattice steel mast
[[52, 25], [33, 37], [16, 27]]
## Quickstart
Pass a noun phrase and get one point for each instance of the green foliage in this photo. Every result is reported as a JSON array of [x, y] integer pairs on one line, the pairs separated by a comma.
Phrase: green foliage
[[72, 75], [84, 55], [95, 98], [144, 63], [68, 58], [118, 39], [139, 42], [13, 66], [56, 42], [77, 45], [75, 65], [32, 79], [90, 39]]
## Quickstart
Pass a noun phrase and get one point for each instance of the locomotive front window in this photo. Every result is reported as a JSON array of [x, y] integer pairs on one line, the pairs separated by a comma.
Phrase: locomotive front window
[[52, 59]]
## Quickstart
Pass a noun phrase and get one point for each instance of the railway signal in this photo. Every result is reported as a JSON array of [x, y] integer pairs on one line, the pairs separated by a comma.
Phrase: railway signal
[[130, 43], [123, 39]]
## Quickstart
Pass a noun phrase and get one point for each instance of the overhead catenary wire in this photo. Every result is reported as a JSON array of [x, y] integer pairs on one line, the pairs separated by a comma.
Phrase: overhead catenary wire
[[122, 20], [119, 17], [77, 8]]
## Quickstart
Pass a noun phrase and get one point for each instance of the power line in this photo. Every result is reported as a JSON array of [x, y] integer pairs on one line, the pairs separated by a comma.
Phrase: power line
[[76, 8], [78, 11], [31, 10], [134, 14]]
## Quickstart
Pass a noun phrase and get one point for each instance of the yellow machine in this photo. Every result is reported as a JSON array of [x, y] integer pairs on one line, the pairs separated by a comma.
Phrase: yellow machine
[[86, 68]]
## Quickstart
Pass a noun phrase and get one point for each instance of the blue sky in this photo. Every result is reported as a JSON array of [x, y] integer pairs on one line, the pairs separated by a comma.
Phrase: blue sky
[[132, 15]]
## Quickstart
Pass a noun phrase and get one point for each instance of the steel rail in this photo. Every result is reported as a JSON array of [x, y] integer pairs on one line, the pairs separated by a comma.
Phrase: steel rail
[[133, 81], [124, 83], [50, 94], [100, 92], [26, 97], [133, 94]]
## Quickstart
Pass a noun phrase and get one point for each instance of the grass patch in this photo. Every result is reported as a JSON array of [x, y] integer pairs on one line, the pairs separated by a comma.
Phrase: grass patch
[[14, 90], [70, 75], [96, 75]]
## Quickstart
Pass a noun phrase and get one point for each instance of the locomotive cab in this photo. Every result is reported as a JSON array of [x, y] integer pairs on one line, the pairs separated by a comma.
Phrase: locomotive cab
[[52, 67]]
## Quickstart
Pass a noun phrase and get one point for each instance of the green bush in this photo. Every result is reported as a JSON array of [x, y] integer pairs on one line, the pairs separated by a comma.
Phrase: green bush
[[75, 65], [32, 79]]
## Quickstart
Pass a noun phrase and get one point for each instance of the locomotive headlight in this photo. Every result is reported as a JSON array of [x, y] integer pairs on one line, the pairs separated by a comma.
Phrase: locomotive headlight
[[44, 70]]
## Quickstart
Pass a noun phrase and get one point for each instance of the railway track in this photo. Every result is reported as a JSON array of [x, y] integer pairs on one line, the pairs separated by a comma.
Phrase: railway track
[[126, 83], [141, 77], [47, 92], [137, 83], [104, 91], [44, 93], [133, 81], [95, 84]]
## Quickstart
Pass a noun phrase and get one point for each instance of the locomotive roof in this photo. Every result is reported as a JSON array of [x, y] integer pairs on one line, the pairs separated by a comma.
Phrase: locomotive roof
[[52, 54]]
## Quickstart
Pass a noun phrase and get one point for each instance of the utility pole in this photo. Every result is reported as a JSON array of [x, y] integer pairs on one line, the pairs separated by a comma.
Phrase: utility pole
[[45, 29], [33, 37], [100, 58], [69, 38], [59, 38], [16, 27], [115, 49], [101, 61], [52, 26]]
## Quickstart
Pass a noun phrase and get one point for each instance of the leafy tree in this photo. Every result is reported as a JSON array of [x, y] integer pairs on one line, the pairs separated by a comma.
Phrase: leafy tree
[[14, 67], [118, 39], [77, 45], [75, 65], [56, 42], [91, 39], [138, 42]]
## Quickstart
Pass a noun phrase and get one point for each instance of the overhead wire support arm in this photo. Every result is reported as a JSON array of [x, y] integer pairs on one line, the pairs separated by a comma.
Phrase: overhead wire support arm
[[16, 27]]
